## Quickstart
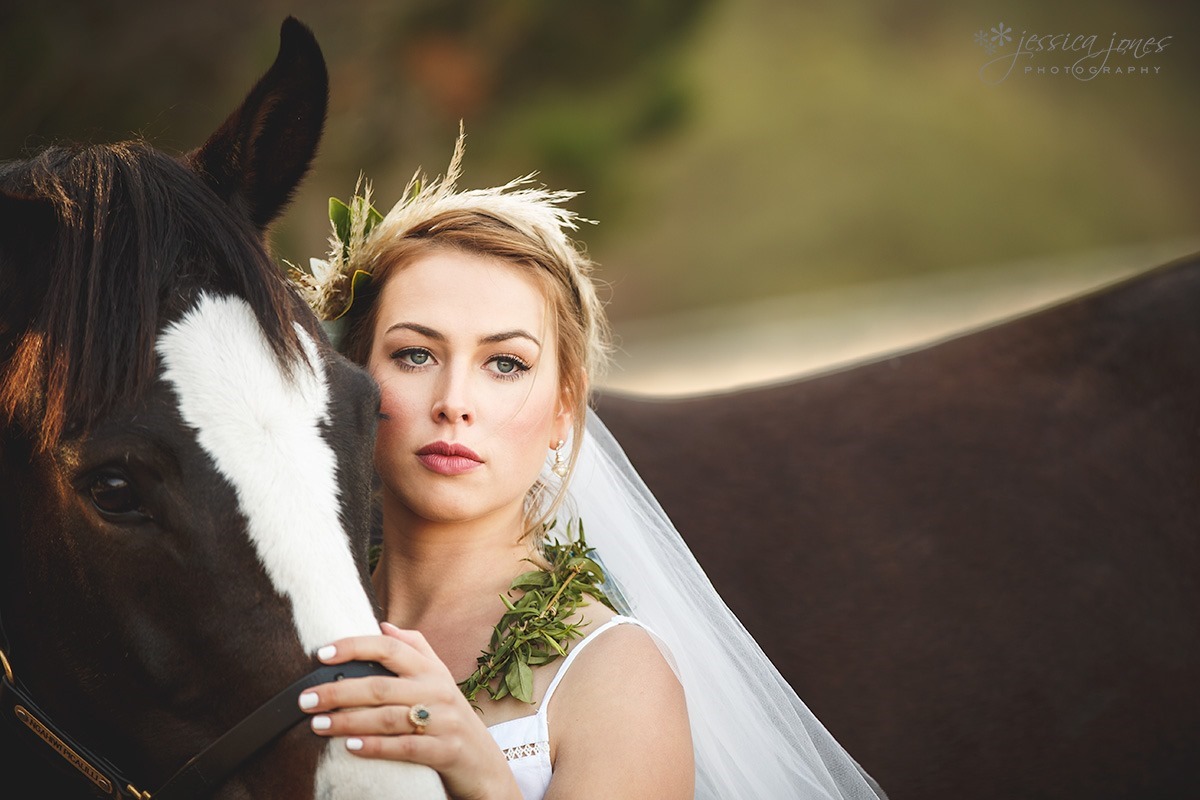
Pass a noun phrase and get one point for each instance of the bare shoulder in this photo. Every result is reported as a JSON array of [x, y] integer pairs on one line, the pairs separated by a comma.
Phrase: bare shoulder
[[618, 722], [623, 656], [623, 652]]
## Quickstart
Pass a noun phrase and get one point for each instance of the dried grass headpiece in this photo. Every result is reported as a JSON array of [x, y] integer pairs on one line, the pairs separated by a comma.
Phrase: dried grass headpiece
[[361, 235]]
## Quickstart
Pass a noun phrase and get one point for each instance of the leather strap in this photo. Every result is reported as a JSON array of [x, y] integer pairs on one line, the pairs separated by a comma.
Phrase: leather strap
[[216, 762], [204, 772], [34, 725]]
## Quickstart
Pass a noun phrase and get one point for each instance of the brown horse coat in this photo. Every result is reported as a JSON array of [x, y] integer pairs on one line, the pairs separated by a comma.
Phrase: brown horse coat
[[978, 562]]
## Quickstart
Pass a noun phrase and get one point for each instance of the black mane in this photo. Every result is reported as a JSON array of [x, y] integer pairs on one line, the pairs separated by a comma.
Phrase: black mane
[[134, 234]]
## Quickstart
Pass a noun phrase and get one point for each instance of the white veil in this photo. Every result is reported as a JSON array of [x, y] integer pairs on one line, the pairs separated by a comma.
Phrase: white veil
[[753, 737]]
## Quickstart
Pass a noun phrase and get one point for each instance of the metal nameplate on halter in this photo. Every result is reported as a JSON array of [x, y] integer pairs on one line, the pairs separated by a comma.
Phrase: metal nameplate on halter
[[80, 763]]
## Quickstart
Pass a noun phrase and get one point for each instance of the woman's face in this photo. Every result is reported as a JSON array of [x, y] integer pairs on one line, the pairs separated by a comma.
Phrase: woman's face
[[465, 355]]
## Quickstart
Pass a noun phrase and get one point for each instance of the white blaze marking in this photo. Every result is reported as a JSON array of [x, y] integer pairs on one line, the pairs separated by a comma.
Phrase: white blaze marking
[[262, 429]]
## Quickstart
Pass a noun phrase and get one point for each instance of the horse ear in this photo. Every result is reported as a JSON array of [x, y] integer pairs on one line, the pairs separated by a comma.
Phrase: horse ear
[[259, 155], [27, 229]]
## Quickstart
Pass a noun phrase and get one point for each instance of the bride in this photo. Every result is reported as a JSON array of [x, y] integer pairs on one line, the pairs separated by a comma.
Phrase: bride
[[551, 634]]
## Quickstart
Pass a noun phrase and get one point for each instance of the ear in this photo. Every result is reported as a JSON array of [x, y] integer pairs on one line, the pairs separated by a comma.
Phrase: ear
[[562, 426], [564, 419], [27, 230], [262, 151]]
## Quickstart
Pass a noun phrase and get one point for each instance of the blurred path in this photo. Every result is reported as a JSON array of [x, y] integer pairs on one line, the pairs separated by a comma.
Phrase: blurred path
[[785, 337]]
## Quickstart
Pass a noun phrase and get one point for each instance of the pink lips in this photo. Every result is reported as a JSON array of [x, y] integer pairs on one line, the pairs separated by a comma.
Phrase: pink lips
[[448, 459]]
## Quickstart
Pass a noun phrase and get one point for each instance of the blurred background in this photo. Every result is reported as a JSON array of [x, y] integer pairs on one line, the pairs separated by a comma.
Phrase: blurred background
[[781, 187]]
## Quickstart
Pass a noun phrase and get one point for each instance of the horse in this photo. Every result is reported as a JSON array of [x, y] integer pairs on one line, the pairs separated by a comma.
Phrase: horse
[[976, 561], [186, 467]]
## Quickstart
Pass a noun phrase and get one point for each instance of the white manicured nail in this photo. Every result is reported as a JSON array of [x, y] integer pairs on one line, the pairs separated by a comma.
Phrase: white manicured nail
[[354, 744], [321, 723], [308, 700], [327, 652]]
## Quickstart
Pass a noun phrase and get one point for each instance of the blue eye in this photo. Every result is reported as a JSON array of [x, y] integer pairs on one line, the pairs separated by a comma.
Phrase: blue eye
[[508, 367], [412, 357]]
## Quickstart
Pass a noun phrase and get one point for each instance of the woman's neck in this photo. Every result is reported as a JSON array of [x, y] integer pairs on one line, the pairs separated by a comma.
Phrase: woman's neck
[[431, 571]]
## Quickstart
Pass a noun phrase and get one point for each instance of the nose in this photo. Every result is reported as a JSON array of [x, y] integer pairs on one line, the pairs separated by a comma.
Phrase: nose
[[452, 402]]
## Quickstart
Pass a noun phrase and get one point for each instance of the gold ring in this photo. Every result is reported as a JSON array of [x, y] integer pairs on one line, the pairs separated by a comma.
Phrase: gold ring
[[418, 715]]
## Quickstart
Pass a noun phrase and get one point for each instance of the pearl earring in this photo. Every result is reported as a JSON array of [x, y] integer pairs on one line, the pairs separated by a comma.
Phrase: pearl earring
[[560, 463]]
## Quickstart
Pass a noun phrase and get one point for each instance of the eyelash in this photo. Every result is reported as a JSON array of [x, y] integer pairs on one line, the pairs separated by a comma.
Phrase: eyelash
[[398, 358], [521, 366]]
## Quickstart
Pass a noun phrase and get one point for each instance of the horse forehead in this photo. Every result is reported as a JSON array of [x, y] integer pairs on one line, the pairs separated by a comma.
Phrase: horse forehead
[[264, 427], [219, 362]]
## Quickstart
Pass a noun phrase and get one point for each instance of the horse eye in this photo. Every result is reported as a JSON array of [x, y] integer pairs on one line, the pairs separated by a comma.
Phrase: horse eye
[[113, 494]]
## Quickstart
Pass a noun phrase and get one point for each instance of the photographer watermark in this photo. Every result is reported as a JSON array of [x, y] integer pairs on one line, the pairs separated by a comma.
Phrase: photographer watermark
[[1081, 56]]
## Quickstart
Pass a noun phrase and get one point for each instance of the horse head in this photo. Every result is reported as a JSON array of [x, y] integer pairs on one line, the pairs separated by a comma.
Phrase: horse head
[[185, 465]]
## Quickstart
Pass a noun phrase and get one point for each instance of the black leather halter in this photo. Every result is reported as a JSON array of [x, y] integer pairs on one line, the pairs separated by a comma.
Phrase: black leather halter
[[200, 775]]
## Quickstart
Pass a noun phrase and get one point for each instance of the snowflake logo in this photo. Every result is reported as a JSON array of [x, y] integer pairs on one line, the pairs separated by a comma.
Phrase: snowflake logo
[[1001, 35], [985, 41]]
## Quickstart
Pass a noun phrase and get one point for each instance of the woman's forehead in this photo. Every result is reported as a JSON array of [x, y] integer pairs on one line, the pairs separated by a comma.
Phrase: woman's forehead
[[465, 290]]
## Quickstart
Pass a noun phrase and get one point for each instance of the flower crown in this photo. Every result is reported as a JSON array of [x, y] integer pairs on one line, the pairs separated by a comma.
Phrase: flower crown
[[361, 234]]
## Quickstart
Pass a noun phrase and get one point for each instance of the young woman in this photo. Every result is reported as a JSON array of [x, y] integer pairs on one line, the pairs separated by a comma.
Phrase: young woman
[[527, 665]]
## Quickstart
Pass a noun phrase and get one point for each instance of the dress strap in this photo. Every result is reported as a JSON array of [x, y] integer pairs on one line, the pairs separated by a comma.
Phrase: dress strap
[[582, 643]]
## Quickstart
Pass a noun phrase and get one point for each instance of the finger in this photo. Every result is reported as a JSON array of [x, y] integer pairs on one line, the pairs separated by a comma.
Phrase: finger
[[390, 720], [398, 656], [417, 749], [366, 692]]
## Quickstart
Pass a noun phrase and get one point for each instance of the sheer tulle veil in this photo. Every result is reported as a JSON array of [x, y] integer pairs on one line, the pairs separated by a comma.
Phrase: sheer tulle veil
[[753, 736]]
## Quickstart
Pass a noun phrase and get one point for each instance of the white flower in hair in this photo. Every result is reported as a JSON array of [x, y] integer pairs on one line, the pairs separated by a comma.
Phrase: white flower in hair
[[361, 234]]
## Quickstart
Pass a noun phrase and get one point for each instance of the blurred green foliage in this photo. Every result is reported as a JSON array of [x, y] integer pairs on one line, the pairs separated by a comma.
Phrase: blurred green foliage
[[731, 149]]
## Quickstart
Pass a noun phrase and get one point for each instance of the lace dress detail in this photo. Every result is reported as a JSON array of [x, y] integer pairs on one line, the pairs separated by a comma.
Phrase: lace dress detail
[[526, 750], [526, 740]]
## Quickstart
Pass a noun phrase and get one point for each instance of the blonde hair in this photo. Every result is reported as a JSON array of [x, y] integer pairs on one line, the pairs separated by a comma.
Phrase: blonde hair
[[520, 224]]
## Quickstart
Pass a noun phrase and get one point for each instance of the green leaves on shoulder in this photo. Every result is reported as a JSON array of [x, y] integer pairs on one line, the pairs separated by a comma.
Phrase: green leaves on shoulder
[[535, 629]]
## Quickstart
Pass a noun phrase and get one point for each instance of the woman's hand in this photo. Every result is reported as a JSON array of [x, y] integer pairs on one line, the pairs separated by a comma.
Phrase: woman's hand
[[376, 714]]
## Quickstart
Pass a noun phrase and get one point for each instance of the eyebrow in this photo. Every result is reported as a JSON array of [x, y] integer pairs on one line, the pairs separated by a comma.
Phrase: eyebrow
[[502, 336], [421, 329]]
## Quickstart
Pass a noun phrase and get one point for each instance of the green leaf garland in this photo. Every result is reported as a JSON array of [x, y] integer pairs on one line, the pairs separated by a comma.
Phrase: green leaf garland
[[534, 629]]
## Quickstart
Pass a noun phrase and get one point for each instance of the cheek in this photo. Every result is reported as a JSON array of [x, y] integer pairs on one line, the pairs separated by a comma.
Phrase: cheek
[[530, 428], [392, 402], [397, 410]]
